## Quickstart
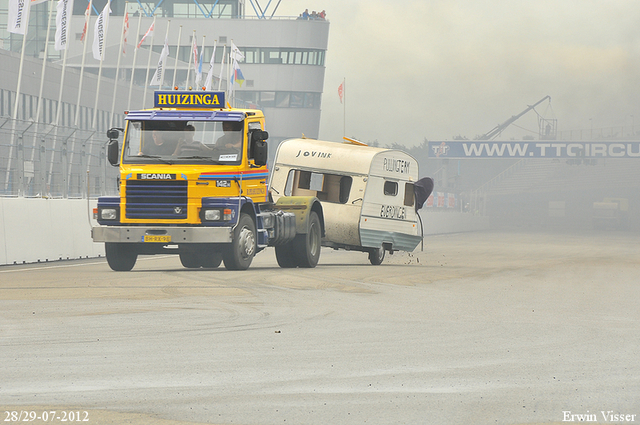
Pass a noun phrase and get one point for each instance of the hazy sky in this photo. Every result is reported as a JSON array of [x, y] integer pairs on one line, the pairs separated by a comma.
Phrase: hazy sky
[[442, 68]]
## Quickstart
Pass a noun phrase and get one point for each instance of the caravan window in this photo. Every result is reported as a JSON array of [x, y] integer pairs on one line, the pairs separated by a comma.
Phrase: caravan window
[[390, 188], [326, 187], [408, 194]]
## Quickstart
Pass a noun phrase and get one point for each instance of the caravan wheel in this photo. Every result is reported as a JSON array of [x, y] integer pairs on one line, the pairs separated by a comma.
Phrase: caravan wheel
[[376, 256]]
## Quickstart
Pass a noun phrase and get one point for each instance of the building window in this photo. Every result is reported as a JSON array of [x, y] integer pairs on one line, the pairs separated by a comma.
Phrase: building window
[[282, 99], [268, 99]]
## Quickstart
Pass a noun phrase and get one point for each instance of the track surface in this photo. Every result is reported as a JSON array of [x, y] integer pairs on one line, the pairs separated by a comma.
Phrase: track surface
[[480, 328]]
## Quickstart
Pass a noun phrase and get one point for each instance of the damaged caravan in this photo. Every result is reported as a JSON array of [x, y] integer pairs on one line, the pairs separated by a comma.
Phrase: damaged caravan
[[370, 196]]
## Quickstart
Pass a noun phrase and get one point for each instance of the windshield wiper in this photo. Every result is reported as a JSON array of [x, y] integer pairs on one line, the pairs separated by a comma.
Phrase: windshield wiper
[[195, 157], [158, 157]]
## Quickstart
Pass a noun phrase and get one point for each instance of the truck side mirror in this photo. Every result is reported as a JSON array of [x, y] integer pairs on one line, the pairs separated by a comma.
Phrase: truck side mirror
[[112, 147], [257, 135], [260, 152], [113, 133], [113, 151]]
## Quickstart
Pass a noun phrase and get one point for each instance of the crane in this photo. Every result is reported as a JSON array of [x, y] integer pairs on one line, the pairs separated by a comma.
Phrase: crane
[[500, 127]]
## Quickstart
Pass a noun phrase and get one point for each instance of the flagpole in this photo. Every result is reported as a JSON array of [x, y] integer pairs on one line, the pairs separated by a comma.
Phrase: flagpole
[[344, 107], [64, 65], [64, 36], [59, 108], [193, 40], [24, 44], [209, 80], [44, 65], [115, 86], [133, 67], [166, 43], [25, 17], [87, 20], [146, 78], [224, 54], [199, 71], [102, 52], [229, 71], [175, 65]]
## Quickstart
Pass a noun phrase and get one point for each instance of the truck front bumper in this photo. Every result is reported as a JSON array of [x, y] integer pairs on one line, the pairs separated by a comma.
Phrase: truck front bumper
[[165, 235]]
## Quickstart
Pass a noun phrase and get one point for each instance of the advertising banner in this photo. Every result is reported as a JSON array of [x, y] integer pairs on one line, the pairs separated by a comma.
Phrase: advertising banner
[[533, 149]]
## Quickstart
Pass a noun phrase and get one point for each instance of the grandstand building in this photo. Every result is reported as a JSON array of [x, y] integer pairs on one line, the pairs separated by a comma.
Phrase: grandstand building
[[283, 65]]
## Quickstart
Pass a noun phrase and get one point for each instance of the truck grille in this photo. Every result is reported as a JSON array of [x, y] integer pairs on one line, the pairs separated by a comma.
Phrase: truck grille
[[149, 199]]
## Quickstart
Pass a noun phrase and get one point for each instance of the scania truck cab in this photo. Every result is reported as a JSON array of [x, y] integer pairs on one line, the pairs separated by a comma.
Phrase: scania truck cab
[[193, 182]]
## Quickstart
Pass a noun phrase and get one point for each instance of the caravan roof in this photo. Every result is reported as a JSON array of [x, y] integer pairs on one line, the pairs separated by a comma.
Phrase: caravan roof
[[346, 158]]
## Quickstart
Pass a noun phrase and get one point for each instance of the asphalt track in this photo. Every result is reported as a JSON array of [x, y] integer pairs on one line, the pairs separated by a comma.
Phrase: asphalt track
[[480, 328]]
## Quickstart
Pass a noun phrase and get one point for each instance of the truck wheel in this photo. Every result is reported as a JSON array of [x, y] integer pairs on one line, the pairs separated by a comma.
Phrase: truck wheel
[[243, 247], [190, 259], [121, 257], [211, 259], [285, 254], [307, 247], [376, 255]]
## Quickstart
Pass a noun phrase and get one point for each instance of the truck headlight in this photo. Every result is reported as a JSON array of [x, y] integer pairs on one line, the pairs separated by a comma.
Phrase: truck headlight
[[212, 215], [108, 214]]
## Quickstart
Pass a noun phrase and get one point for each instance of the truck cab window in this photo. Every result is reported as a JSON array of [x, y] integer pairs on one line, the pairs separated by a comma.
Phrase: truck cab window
[[217, 142]]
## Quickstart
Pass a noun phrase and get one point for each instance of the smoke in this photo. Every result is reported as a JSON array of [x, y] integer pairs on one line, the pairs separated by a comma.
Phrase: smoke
[[436, 69]]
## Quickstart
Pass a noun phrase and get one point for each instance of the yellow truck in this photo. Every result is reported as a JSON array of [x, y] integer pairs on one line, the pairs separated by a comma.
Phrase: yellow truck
[[193, 182]]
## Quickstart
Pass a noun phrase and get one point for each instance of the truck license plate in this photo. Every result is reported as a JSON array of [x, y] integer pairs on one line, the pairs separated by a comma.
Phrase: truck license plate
[[157, 238]]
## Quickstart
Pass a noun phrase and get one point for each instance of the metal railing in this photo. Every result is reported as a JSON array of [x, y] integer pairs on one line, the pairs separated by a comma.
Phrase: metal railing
[[46, 161]]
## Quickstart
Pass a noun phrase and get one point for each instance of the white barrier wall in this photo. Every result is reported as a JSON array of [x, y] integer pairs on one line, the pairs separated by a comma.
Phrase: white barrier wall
[[37, 230], [436, 223]]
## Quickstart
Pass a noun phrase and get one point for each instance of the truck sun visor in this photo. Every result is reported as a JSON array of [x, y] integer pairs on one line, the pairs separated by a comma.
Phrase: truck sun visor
[[171, 115]]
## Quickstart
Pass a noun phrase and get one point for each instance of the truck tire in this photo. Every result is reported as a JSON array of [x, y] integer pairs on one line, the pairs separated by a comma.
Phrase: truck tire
[[121, 257], [285, 254], [240, 252], [376, 256], [307, 247], [211, 259], [190, 259]]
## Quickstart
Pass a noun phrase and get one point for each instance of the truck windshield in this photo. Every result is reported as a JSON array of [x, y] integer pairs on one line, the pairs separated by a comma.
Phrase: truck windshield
[[184, 142]]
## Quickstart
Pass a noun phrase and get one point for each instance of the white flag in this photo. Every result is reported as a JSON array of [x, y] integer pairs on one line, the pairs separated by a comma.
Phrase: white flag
[[199, 70], [18, 16], [236, 54], [194, 49], [100, 31], [63, 20], [209, 81], [158, 77]]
